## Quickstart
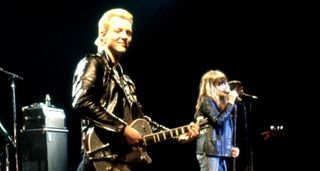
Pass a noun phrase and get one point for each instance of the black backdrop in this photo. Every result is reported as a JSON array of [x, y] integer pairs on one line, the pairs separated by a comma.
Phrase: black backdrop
[[175, 42]]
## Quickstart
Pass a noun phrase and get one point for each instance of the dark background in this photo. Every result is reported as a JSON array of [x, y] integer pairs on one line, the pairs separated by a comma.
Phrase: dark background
[[174, 43]]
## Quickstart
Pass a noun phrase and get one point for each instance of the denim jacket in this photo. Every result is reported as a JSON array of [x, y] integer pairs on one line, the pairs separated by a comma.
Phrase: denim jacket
[[216, 139]]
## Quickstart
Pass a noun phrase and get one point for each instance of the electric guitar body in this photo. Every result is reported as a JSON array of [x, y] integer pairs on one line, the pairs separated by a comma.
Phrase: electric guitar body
[[98, 145]]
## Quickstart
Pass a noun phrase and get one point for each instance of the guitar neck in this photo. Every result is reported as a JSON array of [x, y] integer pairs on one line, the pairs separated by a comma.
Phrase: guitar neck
[[164, 135]]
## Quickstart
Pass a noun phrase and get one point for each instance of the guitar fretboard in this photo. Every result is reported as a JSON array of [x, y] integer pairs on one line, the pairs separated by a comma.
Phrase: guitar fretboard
[[164, 135]]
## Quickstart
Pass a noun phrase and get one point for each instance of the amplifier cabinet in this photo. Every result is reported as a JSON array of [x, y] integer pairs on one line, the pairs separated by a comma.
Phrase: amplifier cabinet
[[44, 149], [39, 115]]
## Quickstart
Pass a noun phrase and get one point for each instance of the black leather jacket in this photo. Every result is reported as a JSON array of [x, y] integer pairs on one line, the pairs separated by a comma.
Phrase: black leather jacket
[[216, 140], [103, 95]]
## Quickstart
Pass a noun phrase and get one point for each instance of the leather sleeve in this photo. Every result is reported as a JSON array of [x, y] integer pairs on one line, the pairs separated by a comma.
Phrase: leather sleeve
[[211, 110], [86, 93]]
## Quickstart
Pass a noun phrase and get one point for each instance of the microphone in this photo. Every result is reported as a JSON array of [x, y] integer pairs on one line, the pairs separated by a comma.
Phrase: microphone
[[236, 85], [238, 98], [248, 95]]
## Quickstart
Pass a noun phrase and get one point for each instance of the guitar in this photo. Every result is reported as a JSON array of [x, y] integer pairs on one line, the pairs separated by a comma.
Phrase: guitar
[[273, 132], [99, 152]]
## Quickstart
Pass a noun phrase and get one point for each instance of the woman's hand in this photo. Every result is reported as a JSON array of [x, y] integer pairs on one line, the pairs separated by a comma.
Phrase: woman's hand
[[235, 152]]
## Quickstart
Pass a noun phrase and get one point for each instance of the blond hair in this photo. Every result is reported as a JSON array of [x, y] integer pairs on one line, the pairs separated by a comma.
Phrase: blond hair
[[207, 85], [104, 22]]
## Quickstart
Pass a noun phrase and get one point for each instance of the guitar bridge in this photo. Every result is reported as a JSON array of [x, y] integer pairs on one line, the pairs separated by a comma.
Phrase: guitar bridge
[[101, 153], [97, 149]]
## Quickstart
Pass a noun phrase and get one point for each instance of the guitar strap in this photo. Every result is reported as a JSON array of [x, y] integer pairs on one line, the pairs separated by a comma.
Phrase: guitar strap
[[123, 81], [127, 87]]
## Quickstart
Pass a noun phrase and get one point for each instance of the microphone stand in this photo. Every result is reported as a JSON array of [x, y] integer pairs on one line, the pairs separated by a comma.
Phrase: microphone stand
[[235, 134], [12, 77], [250, 143], [248, 135]]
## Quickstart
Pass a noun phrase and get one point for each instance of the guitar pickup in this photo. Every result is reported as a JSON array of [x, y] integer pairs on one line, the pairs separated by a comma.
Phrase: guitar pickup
[[107, 157]]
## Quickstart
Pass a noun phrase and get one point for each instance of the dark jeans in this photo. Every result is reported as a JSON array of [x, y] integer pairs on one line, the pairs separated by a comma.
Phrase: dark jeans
[[102, 165], [84, 164]]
